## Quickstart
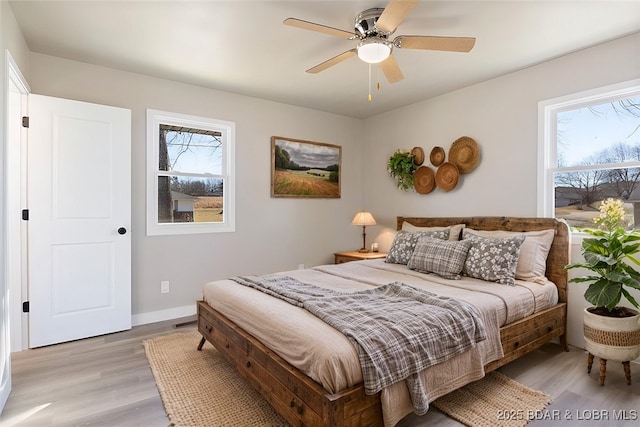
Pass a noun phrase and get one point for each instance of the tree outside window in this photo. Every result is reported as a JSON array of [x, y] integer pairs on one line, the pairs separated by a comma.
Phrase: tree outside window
[[191, 178]]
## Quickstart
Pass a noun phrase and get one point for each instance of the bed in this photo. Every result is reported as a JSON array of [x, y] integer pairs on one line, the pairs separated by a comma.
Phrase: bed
[[333, 394]]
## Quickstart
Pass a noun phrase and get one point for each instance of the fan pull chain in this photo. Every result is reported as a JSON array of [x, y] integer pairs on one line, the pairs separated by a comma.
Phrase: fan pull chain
[[369, 82]]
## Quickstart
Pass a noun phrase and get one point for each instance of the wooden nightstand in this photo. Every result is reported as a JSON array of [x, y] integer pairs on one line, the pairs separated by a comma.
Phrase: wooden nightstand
[[340, 257]]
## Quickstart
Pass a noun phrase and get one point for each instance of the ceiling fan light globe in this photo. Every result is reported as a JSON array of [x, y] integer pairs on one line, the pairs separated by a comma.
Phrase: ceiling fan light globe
[[373, 51]]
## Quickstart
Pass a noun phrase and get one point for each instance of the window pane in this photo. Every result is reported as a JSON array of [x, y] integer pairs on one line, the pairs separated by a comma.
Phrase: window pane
[[190, 150], [598, 134], [578, 194], [185, 199]]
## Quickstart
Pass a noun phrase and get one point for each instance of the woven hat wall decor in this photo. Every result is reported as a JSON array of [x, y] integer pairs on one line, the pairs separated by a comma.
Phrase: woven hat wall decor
[[464, 153], [437, 156], [424, 180], [463, 157], [418, 155], [447, 176]]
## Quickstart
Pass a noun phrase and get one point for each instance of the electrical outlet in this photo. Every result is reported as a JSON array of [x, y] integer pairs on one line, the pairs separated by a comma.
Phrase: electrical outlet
[[164, 287], [300, 266]]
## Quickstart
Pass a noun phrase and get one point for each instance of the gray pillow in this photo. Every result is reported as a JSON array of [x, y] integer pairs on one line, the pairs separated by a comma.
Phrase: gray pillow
[[444, 258], [405, 242], [492, 259]]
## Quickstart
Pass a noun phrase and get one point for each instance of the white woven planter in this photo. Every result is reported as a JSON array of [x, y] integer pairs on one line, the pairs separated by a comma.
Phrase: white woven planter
[[612, 338]]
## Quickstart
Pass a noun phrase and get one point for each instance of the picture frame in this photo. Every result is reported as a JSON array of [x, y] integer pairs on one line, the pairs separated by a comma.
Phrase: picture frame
[[305, 169]]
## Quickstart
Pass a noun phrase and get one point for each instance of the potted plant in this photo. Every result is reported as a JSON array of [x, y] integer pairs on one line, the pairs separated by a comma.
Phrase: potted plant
[[611, 332], [401, 166]]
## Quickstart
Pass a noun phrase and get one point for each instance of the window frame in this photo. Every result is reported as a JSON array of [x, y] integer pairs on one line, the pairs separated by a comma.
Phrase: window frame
[[155, 118], [547, 137]]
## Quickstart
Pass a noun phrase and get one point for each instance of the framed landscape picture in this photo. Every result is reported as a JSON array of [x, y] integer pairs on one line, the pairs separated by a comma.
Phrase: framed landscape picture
[[304, 168]]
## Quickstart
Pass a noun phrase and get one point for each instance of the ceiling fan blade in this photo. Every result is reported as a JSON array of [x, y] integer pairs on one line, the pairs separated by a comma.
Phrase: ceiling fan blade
[[451, 44], [306, 25], [391, 69], [394, 14], [331, 62]]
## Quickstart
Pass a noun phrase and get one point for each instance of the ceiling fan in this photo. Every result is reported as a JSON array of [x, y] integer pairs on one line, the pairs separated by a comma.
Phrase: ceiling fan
[[372, 28]]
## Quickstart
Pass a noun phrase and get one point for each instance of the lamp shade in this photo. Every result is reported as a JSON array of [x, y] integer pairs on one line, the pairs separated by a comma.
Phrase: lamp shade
[[373, 51], [363, 218]]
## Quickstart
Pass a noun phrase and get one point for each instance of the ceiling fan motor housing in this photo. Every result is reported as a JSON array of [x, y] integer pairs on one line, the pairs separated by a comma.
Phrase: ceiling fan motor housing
[[365, 24]]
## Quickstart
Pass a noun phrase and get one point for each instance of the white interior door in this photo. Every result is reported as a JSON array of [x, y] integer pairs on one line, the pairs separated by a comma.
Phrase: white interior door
[[79, 242]]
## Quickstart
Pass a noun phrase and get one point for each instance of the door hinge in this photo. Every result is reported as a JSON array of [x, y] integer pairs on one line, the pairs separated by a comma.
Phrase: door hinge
[[25, 121], [25, 307], [25, 214]]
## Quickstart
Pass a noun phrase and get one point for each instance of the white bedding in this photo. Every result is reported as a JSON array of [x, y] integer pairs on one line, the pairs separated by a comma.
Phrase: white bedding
[[328, 357]]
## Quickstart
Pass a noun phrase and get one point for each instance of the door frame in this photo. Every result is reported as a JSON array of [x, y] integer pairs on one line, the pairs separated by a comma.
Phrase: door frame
[[15, 237]]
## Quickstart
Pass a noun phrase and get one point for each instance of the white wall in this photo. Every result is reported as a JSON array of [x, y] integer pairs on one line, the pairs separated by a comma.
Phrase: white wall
[[502, 116], [272, 234]]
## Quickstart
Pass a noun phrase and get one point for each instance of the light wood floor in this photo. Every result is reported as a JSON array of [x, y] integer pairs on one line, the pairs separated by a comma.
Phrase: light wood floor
[[106, 381]]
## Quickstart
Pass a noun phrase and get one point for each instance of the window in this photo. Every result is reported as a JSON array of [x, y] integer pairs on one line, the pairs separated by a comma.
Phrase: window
[[590, 151], [190, 174]]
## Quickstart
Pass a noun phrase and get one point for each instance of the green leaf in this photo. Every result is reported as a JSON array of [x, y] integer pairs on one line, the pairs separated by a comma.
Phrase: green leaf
[[630, 281], [603, 293], [598, 260], [594, 245], [576, 265], [635, 246], [616, 276], [633, 259], [585, 279], [630, 298]]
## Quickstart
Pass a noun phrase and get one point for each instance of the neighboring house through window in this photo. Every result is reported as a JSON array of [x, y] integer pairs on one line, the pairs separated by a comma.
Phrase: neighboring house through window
[[190, 174], [589, 151]]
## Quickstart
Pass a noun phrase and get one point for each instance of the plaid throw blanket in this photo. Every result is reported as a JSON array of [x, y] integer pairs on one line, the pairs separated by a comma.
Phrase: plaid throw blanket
[[398, 330]]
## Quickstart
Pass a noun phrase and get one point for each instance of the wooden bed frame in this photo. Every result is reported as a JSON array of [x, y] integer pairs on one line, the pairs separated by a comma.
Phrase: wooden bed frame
[[303, 402]]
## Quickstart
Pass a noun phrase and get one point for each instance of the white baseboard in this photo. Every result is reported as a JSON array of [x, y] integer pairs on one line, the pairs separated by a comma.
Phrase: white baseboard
[[162, 315]]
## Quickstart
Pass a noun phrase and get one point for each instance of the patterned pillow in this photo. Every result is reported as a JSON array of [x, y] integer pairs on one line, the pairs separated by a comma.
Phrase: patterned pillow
[[532, 261], [405, 242], [445, 259], [492, 259]]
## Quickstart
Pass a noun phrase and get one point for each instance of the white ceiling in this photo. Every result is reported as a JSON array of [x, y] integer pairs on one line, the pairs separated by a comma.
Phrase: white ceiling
[[242, 46]]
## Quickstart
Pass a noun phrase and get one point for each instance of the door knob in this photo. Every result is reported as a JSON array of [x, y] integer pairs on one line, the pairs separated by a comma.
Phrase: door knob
[[122, 230]]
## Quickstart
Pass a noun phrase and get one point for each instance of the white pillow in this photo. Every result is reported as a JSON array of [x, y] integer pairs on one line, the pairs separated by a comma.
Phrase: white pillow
[[532, 261], [454, 230]]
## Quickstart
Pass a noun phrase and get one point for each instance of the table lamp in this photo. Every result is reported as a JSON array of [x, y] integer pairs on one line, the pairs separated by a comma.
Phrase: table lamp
[[363, 219]]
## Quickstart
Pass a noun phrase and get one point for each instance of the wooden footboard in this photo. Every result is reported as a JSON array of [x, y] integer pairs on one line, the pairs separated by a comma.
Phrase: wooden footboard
[[303, 402], [530, 333], [297, 398]]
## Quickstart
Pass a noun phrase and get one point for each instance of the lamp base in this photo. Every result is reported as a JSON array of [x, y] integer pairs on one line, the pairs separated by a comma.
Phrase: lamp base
[[363, 250]]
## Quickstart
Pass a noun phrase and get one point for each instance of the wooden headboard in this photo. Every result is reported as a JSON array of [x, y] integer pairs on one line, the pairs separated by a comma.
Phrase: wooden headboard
[[558, 255]]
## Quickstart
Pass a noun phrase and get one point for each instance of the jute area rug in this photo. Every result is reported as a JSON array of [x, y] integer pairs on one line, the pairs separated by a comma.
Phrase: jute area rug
[[200, 388], [495, 400]]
